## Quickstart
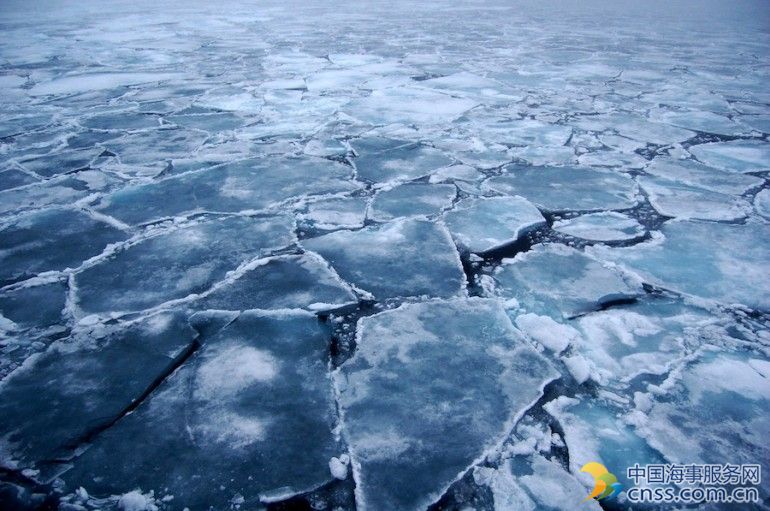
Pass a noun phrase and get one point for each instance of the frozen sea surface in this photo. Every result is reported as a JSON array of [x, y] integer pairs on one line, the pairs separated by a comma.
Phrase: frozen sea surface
[[379, 256]]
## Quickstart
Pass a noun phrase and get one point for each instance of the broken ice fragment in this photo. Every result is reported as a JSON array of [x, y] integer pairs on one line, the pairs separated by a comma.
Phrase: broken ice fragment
[[283, 282], [484, 224], [38, 306], [400, 258], [403, 163], [605, 226], [250, 414], [244, 185], [432, 387], [673, 199], [178, 263], [735, 155], [55, 400], [693, 173], [54, 239], [561, 282], [762, 203], [411, 200], [567, 188]]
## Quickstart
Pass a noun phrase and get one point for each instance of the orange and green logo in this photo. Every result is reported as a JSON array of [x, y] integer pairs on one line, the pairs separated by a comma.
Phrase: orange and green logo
[[605, 482]]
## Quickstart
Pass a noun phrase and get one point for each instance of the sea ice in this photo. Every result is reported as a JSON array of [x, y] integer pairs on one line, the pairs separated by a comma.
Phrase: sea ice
[[561, 282], [176, 264], [338, 212], [692, 173], [283, 282], [54, 401], [403, 163], [397, 259], [53, 239], [411, 200], [245, 185], [676, 200], [716, 261], [735, 155], [484, 224], [567, 188], [762, 203], [607, 226], [251, 413], [431, 388]]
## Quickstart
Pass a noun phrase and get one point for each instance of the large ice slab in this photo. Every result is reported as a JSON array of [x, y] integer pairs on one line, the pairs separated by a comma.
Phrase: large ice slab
[[484, 224], [400, 258], [61, 163], [54, 239], [696, 174], [735, 155], [567, 188], [245, 185], [557, 281], [677, 200], [55, 400], [431, 388], [250, 414], [178, 263], [606, 226], [283, 282], [403, 163], [411, 200], [722, 262]]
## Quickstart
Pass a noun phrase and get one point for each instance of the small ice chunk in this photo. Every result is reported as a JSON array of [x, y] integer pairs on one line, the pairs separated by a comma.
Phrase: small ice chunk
[[604, 226], [551, 334], [339, 467], [578, 368], [484, 224], [762, 203]]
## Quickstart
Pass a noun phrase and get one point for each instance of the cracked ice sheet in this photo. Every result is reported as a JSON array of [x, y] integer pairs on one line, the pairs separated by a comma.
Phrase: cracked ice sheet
[[178, 263], [722, 262], [428, 393], [251, 184], [55, 399], [256, 392], [397, 259], [52, 240]]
